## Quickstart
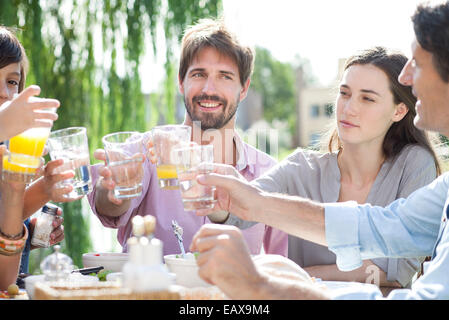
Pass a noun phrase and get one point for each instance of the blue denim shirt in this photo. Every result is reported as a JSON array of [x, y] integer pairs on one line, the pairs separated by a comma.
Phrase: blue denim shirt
[[26, 251], [412, 227]]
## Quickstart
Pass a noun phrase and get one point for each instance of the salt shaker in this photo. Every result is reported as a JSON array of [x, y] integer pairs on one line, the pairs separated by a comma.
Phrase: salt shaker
[[131, 269], [44, 226]]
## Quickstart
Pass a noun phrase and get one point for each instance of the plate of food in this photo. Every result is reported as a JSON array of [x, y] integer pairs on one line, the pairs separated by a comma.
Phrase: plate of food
[[13, 293]]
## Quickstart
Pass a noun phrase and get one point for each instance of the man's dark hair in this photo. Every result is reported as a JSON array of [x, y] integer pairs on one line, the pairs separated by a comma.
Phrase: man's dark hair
[[209, 33], [431, 24]]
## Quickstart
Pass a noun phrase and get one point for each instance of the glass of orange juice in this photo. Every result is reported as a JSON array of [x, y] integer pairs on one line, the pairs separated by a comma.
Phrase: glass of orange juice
[[165, 138], [24, 155]]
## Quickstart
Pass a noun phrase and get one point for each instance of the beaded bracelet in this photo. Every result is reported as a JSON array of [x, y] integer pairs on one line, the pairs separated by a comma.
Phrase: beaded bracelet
[[11, 247], [11, 237]]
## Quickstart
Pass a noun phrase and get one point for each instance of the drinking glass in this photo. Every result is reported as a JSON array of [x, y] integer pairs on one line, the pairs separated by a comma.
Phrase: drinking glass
[[24, 154], [124, 157], [165, 138], [192, 161], [70, 144]]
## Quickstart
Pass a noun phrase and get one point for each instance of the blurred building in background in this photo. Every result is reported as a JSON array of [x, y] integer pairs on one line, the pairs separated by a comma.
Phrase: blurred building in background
[[250, 110], [315, 106]]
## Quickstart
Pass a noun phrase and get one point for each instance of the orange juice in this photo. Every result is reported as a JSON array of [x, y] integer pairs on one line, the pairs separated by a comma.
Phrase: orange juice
[[166, 171], [20, 163], [29, 143]]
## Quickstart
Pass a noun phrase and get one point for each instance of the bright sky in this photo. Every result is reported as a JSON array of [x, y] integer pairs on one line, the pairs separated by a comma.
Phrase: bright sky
[[322, 30]]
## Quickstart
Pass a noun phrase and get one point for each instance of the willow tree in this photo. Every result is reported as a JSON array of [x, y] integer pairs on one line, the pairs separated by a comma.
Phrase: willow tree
[[87, 54]]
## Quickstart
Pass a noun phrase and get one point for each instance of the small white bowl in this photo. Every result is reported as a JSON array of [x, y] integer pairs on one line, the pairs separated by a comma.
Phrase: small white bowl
[[186, 271], [112, 261]]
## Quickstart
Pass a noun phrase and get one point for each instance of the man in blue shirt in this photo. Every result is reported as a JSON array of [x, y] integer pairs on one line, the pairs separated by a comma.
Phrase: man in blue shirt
[[412, 227]]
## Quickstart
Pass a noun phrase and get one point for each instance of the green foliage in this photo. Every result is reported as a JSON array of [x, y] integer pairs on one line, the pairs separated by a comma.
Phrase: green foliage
[[76, 227], [87, 55], [275, 81]]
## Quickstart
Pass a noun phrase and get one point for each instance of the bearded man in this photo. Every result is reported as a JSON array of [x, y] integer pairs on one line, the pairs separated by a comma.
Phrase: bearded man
[[214, 76]]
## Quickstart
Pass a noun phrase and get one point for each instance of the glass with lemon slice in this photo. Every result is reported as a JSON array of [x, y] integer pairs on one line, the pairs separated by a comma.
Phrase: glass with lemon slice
[[165, 138]]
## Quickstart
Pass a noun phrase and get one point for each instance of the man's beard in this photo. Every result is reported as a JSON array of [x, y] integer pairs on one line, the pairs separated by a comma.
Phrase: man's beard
[[211, 120]]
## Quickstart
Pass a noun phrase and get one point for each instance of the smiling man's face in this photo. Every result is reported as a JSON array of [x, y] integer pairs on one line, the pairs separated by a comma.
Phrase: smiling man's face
[[212, 89], [432, 107]]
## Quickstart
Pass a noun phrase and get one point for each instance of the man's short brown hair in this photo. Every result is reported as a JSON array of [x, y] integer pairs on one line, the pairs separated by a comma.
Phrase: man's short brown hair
[[214, 34]]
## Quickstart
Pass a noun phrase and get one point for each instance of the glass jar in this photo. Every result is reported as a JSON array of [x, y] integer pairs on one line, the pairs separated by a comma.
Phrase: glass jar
[[57, 266], [44, 226]]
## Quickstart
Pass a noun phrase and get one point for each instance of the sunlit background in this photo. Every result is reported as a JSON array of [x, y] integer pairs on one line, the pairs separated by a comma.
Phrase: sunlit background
[[320, 31], [108, 66], [316, 34]]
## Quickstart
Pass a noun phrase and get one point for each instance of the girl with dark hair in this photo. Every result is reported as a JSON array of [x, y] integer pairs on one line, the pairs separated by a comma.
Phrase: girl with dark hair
[[19, 201], [13, 66]]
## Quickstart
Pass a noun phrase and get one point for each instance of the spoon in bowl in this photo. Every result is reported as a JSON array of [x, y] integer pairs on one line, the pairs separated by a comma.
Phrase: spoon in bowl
[[177, 229]]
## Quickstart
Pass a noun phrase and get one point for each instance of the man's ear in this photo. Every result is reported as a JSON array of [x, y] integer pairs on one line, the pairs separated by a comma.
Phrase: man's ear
[[400, 112], [245, 89], [180, 85]]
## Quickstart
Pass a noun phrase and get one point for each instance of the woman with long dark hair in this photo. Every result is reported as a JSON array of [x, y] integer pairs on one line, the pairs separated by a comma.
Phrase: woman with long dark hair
[[375, 155]]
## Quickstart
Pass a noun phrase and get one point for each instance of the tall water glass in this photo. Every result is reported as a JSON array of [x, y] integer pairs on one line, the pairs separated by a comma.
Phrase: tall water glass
[[165, 138], [124, 157], [192, 161], [71, 145]]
